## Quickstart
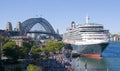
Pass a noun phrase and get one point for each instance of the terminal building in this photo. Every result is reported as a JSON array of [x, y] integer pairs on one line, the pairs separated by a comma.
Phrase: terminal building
[[19, 40], [115, 37]]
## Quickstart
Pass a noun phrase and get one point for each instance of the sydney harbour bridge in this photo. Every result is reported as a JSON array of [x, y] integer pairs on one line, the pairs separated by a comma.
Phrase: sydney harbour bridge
[[24, 28]]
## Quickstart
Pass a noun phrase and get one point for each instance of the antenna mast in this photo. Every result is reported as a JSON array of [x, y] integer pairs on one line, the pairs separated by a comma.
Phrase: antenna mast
[[87, 19]]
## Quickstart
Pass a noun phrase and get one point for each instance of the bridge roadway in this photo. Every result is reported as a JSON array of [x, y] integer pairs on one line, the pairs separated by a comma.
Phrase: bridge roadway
[[48, 33], [42, 32]]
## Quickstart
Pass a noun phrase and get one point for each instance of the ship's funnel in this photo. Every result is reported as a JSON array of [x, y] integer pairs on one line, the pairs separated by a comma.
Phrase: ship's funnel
[[73, 24]]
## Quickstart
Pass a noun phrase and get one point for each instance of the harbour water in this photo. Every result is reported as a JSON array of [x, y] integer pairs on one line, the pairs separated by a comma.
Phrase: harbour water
[[109, 62]]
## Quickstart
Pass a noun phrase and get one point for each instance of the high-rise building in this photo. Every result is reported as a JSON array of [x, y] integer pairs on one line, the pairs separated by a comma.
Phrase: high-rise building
[[9, 26]]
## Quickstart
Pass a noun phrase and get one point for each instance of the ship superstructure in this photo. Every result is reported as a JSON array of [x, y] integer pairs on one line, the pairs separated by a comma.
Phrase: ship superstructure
[[88, 38]]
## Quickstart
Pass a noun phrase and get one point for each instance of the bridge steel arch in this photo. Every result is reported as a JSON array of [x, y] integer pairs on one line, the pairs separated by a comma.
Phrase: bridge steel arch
[[28, 24]]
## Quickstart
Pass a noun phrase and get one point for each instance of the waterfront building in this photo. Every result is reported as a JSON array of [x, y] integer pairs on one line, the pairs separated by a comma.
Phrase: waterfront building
[[115, 37], [19, 40]]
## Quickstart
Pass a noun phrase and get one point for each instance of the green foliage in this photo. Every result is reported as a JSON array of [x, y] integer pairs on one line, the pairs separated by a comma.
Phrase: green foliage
[[53, 46], [12, 51], [35, 51], [32, 67], [3, 39], [23, 52], [10, 44], [27, 44]]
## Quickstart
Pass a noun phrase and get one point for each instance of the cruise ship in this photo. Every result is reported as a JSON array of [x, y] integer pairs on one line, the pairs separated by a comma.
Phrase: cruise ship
[[87, 39]]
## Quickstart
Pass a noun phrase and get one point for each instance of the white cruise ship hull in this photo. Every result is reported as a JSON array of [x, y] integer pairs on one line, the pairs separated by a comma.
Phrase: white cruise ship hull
[[89, 47]]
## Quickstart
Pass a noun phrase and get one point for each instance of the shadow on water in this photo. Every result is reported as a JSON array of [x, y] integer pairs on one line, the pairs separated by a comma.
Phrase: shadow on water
[[83, 63]]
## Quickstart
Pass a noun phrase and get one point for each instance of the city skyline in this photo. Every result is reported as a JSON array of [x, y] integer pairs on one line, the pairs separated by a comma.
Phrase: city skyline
[[60, 13]]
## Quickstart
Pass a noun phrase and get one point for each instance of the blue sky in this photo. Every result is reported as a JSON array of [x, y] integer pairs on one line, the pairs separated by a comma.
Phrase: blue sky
[[60, 13]]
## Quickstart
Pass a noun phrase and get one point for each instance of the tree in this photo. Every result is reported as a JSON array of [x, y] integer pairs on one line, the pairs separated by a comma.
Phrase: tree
[[32, 67], [12, 51], [35, 52], [23, 52], [2, 39], [53, 46], [27, 44]]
